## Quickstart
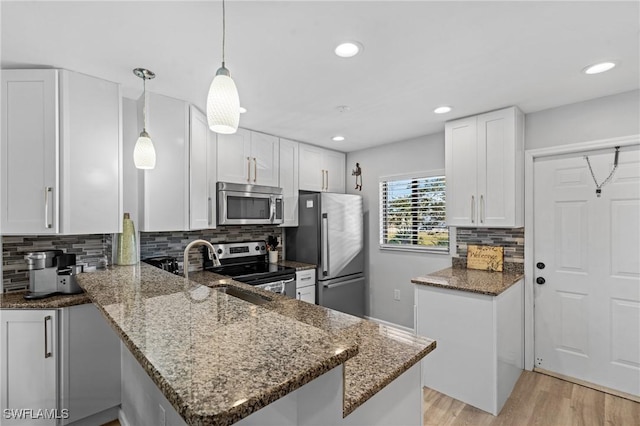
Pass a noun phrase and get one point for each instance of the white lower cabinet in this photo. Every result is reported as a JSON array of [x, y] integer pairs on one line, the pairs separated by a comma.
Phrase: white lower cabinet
[[306, 285], [480, 343], [58, 366], [29, 360]]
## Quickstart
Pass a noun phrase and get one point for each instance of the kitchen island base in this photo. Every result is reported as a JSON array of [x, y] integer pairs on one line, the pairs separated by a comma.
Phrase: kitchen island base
[[318, 402]]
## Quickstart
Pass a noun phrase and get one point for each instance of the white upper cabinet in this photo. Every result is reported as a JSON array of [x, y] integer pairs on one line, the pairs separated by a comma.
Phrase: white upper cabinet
[[321, 169], [165, 189], [484, 158], [61, 153], [289, 181], [248, 157], [202, 172]]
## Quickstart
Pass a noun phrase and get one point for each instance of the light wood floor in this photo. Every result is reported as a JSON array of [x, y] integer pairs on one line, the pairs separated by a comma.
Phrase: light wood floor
[[537, 399]]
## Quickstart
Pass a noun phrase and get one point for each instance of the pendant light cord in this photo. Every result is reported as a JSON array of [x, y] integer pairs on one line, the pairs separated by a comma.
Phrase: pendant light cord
[[144, 104], [224, 31]]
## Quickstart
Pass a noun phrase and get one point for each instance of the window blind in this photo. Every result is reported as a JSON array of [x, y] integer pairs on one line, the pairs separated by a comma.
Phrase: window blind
[[412, 213]]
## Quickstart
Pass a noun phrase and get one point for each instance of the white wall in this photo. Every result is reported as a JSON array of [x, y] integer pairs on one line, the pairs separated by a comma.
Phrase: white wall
[[601, 118], [606, 117], [389, 270]]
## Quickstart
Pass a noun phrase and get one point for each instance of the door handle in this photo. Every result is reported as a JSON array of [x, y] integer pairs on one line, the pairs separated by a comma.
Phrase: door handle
[[248, 169], [325, 244], [327, 188], [343, 283], [47, 190], [482, 209], [255, 170], [473, 209], [209, 208], [540, 280], [540, 265], [47, 353], [322, 171]]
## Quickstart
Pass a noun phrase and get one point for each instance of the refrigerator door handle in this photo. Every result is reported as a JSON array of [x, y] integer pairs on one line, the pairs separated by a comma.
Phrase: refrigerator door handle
[[325, 244], [340, 284]]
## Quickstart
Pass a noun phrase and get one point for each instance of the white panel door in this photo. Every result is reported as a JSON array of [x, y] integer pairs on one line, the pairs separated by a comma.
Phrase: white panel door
[[234, 157], [265, 159], [289, 181], [496, 168], [199, 200], [335, 165], [29, 357], [90, 155], [461, 172], [587, 311], [29, 152]]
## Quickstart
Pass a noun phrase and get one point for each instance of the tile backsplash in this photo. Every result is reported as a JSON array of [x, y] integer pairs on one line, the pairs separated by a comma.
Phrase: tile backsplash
[[512, 239], [97, 248]]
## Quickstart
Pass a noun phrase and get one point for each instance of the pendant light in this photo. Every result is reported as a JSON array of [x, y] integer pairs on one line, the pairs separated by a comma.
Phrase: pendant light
[[144, 154], [223, 103]]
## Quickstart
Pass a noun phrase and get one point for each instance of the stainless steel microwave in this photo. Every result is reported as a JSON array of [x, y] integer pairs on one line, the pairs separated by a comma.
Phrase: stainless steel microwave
[[249, 204]]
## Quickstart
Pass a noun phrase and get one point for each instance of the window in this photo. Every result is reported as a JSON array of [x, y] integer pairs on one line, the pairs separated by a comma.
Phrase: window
[[412, 213]]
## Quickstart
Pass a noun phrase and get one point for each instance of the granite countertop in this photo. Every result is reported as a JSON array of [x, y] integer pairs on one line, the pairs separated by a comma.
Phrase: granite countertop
[[184, 335], [471, 280], [384, 353], [299, 266], [16, 300]]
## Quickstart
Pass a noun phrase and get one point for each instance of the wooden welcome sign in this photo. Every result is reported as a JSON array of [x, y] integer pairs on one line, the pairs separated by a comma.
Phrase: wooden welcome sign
[[486, 258]]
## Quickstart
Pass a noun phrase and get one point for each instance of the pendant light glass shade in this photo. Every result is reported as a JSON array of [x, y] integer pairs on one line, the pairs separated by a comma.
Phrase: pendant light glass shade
[[144, 154], [223, 104]]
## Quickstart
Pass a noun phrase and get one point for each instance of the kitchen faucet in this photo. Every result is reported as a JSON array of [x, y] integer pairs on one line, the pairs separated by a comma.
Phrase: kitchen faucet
[[185, 264]]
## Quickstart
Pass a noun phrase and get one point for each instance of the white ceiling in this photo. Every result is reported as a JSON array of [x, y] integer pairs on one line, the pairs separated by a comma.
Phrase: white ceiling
[[475, 56]]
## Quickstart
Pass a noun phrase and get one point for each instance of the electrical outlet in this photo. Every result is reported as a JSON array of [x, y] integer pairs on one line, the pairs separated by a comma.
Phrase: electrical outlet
[[162, 416], [396, 294]]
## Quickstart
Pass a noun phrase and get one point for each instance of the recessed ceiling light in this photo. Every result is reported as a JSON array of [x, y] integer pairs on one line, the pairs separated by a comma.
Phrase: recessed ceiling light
[[348, 49], [337, 138], [442, 109], [598, 68], [243, 110]]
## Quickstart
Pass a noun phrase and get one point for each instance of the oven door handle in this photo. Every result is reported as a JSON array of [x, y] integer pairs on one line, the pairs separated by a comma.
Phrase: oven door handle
[[288, 281]]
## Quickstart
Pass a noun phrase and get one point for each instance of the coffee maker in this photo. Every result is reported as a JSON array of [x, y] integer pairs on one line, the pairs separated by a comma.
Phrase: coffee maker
[[51, 272]]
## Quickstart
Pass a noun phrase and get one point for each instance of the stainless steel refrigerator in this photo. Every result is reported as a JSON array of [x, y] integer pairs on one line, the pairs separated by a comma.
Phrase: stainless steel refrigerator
[[330, 235]]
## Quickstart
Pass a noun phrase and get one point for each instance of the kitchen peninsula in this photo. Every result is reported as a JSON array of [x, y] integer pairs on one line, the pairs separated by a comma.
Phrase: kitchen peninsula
[[218, 359]]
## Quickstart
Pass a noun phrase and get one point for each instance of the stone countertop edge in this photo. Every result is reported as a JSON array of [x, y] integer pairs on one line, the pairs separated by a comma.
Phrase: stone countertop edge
[[251, 405], [299, 266], [16, 300], [470, 280]]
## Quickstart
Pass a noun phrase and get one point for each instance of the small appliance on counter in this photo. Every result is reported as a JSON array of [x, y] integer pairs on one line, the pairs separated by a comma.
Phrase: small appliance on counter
[[51, 272], [166, 263]]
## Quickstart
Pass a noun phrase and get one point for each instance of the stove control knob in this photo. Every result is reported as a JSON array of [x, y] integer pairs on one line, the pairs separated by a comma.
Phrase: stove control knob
[[257, 248], [219, 251], [262, 247]]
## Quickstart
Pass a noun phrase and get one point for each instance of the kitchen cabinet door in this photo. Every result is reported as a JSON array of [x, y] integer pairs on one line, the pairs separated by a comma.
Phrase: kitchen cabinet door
[[202, 172], [335, 165], [321, 170], [307, 294], [484, 157], [29, 357], [265, 157], [165, 205], [29, 156], [234, 157], [289, 181], [90, 155], [311, 170]]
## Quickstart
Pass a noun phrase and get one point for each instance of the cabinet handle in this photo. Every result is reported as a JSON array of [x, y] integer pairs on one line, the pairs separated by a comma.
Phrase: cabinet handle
[[209, 208], [473, 209], [322, 171], [47, 223], [47, 354], [248, 169], [482, 209], [327, 172], [415, 319], [305, 279], [255, 169]]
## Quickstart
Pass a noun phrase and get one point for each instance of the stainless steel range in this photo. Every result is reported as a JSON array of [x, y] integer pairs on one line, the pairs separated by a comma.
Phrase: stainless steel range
[[247, 262]]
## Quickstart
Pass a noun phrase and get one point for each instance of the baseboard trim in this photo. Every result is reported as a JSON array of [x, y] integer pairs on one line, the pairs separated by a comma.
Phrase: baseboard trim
[[122, 418], [390, 324], [586, 384]]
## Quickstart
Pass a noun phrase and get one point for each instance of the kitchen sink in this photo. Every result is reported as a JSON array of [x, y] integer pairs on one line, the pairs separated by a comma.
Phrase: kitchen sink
[[253, 298]]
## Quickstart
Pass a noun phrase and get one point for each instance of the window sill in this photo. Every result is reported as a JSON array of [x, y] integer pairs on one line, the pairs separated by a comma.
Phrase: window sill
[[415, 249]]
